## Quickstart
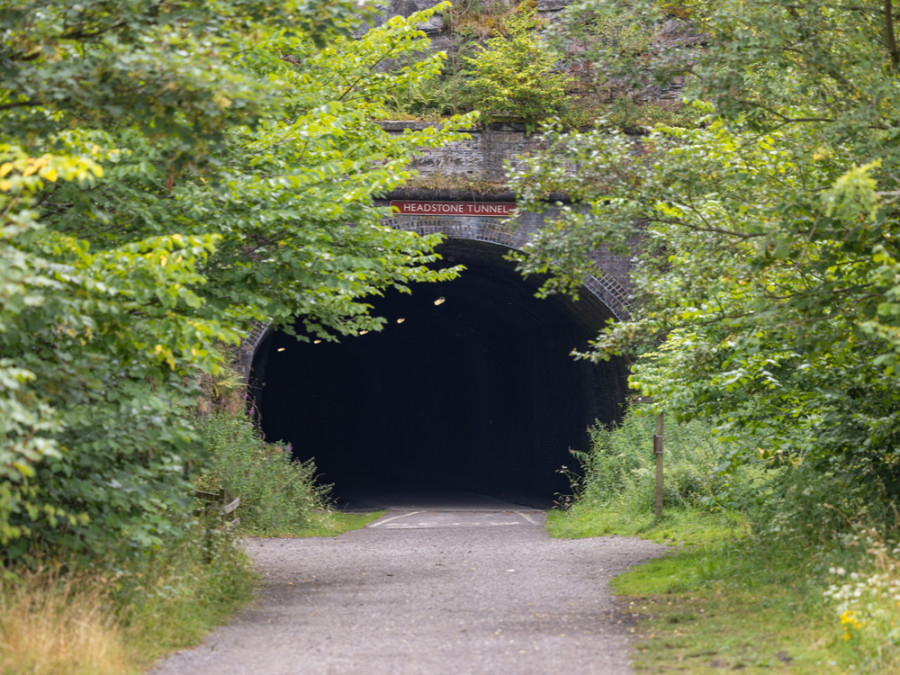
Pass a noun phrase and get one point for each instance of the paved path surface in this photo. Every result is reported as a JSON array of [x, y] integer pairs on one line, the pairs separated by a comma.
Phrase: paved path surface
[[432, 592]]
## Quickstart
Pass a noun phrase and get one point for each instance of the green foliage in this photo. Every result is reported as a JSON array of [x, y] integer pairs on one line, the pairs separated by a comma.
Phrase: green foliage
[[808, 604], [767, 290], [618, 57], [622, 58], [469, 24], [610, 43], [88, 346], [635, 117], [678, 525], [832, 68], [278, 494], [432, 100], [336, 523], [735, 604], [168, 173], [478, 19], [514, 76]]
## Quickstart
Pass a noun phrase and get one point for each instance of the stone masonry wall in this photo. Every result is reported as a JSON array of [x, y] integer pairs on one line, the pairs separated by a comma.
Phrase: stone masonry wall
[[482, 158]]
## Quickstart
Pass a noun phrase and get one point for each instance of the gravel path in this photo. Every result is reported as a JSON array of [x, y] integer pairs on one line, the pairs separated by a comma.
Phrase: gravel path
[[429, 591]]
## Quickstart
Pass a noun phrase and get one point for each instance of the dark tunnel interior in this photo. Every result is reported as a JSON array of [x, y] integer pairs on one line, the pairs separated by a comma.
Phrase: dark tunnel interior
[[470, 387]]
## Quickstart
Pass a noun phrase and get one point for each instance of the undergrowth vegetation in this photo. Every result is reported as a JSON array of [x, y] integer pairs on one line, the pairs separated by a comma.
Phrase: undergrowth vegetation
[[53, 625], [775, 567], [279, 495], [620, 467], [119, 619], [169, 174], [513, 74]]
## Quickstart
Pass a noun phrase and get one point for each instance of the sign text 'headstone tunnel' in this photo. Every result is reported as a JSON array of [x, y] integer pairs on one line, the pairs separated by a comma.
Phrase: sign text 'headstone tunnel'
[[435, 208]]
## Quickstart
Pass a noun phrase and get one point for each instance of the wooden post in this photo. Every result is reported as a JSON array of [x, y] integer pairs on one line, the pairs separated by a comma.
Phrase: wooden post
[[658, 453]]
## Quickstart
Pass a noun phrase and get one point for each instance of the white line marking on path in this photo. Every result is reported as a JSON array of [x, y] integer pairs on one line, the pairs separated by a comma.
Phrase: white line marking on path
[[519, 513], [387, 520], [423, 526]]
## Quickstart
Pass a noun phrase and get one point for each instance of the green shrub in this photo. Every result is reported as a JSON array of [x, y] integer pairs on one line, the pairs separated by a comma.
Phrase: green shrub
[[477, 19], [172, 597], [513, 76], [278, 494], [609, 43]]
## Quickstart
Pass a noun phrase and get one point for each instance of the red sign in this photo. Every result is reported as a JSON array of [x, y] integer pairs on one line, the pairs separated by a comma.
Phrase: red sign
[[417, 208]]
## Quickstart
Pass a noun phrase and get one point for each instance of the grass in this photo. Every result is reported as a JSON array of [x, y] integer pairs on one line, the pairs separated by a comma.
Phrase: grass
[[279, 495], [720, 599], [708, 634], [732, 605], [97, 623], [54, 626], [678, 526], [325, 524]]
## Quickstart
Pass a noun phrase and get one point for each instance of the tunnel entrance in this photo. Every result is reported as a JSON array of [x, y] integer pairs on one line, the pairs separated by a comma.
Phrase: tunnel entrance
[[470, 387]]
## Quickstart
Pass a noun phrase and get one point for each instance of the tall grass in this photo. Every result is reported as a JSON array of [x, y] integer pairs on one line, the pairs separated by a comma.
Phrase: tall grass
[[620, 467], [279, 495], [119, 617], [170, 598], [614, 491], [867, 600], [60, 625]]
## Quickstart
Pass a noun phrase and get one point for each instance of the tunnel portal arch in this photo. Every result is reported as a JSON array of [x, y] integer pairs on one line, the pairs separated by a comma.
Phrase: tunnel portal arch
[[470, 386]]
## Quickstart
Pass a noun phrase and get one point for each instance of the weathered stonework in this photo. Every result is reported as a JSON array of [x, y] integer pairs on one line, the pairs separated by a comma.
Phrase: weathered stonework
[[675, 33], [482, 158]]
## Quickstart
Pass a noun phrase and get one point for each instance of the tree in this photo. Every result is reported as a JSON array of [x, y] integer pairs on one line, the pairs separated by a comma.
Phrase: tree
[[767, 290], [170, 171]]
